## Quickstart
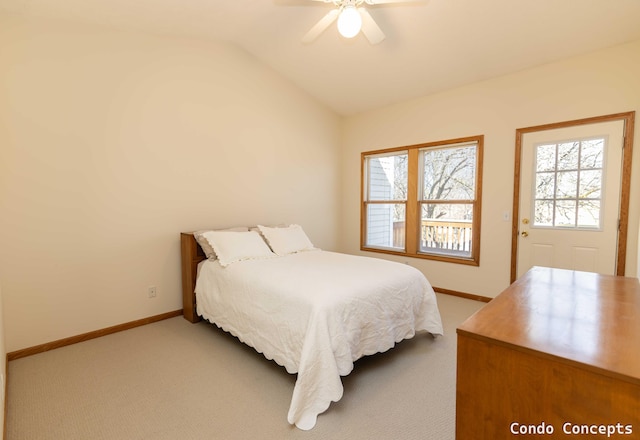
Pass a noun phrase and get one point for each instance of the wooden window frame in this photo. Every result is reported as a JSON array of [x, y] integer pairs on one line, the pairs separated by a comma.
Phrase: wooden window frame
[[413, 202]]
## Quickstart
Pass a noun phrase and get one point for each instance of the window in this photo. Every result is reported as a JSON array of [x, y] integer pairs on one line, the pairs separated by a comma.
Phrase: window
[[568, 179], [386, 207], [424, 200]]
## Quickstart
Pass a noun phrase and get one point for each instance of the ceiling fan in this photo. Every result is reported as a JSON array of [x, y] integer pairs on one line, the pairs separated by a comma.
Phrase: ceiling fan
[[352, 17]]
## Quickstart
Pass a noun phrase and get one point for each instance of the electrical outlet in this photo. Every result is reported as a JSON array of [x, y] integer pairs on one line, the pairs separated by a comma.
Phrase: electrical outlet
[[151, 291]]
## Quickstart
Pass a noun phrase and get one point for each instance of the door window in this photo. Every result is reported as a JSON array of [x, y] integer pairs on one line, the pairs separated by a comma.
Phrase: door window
[[568, 184]]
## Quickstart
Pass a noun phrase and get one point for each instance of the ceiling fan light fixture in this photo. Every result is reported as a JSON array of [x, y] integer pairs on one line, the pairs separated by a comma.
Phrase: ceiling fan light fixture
[[349, 22]]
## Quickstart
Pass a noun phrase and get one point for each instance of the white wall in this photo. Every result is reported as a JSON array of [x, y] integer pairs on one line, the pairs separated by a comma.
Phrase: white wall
[[111, 143], [595, 84]]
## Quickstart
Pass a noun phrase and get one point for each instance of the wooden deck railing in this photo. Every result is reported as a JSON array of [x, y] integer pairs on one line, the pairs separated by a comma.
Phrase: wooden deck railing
[[438, 234]]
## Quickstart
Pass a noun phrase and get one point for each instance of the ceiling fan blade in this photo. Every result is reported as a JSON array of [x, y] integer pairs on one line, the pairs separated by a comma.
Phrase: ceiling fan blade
[[320, 26], [370, 29]]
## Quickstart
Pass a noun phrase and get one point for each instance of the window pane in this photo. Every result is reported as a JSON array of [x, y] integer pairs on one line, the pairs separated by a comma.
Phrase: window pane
[[590, 184], [449, 173], [543, 213], [592, 153], [546, 157], [567, 184], [386, 225], [545, 185], [387, 177], [589, 214], [446, 228], [565, 213], [568, 155]]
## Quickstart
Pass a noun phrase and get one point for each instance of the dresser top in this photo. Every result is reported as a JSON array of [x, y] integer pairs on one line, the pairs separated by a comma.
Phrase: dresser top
[[576, 317]]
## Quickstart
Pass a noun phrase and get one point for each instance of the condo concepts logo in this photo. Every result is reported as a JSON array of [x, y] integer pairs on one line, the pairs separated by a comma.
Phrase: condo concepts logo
[[569, 428]]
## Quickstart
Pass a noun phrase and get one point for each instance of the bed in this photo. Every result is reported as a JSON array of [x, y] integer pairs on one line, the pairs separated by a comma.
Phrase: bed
[[313, 312]]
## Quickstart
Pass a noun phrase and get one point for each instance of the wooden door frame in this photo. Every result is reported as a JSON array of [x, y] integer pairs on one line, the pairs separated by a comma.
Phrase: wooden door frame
[[623, 215]]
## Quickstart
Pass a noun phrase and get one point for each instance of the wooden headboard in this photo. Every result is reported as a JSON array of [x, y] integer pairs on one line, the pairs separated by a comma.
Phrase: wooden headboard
[[192, 254]]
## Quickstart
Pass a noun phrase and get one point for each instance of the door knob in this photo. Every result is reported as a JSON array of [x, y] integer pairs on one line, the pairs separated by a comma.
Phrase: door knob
[[524, 233], [525, 221]]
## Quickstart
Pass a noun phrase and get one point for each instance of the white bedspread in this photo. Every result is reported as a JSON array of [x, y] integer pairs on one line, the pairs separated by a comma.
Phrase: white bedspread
[[315, 313]]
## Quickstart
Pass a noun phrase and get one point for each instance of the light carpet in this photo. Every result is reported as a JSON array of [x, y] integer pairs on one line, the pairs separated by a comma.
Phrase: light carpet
[[173, 380]]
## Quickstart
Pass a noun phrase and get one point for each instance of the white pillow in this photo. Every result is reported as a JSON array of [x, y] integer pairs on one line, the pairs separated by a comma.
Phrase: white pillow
[[231, 247], [204, 244], [284, 241]]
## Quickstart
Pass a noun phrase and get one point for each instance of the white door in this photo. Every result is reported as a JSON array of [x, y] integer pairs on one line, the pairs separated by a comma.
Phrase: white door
[[570, 180]]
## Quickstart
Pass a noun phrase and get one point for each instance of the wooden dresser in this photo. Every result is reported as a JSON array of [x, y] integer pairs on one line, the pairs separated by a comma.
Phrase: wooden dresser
[[556, 355]]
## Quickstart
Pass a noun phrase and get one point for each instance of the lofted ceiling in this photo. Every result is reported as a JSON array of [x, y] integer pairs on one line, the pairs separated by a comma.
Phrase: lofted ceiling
[[430, 46]]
